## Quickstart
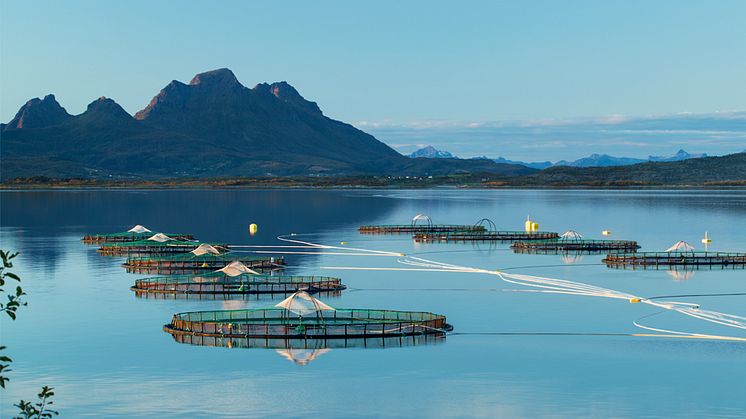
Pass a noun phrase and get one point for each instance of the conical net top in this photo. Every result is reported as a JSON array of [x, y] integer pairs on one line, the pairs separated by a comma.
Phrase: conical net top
[[160, 238], [204, 249], [237, 268], [681, 246], [303, 304], [139, 229]]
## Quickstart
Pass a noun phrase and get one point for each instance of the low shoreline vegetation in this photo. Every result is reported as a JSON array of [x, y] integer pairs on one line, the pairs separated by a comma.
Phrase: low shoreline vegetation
[[477, 181]]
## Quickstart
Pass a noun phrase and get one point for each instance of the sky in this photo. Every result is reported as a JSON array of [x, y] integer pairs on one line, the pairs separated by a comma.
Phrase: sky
[[427, 68]]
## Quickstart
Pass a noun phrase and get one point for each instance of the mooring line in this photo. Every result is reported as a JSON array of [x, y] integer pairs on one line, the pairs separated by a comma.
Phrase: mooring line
[[549, 285]]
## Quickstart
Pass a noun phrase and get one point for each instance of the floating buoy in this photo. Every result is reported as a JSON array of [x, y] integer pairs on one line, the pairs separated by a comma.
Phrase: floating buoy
[[343, 243], [606, 232], [253, 228], [634, 300], [531, 226], [706, 241]]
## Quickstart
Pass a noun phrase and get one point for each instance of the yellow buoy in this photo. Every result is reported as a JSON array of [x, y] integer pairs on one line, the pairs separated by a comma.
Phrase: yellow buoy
[[343, 243], [253, 228], [634, 300], [606, 232], [530, 225]]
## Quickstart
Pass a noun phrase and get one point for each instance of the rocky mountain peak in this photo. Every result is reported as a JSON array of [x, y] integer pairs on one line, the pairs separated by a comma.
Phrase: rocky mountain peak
[[219, 77], [39, 113]]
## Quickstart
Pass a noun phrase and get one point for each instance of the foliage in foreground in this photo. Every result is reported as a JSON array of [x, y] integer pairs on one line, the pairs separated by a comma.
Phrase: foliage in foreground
[[28, 410]]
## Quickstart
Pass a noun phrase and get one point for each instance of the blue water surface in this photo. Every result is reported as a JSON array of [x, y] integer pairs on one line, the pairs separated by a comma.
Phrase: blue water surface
[[103, 349]]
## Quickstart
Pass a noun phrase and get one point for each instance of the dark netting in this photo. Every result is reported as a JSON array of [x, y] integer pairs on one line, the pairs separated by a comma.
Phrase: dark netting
[[221, 283], [127, 236], [189, 263], [149, 247], [668, 259], [582, 245], [491, 235], [410, 229], [283, 324]]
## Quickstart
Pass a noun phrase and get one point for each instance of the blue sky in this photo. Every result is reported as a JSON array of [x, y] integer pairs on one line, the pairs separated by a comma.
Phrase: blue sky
[[394, 65]]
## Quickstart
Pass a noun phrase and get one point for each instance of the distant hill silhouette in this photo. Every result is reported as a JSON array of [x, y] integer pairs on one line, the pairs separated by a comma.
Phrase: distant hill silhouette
[[699, 171], [212, 127]]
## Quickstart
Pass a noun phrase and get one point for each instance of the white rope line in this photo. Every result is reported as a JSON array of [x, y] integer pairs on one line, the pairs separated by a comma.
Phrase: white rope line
[[554, 286], [536, 283]]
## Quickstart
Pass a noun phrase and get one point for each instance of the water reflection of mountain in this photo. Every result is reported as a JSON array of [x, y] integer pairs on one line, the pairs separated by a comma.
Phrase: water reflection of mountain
[[211, 215]]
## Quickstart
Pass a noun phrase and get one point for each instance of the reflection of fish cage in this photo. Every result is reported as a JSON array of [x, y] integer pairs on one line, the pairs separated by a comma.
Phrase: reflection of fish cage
[[420, 224], [292, 346], [221, 283], [189, 263], [136, 233], [667, 260]]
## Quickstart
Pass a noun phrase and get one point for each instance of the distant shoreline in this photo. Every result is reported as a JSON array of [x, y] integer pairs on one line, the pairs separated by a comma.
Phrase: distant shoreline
[[444, 182]]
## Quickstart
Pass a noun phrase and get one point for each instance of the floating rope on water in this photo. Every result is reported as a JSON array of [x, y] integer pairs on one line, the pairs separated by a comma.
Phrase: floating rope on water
[[556, 286]]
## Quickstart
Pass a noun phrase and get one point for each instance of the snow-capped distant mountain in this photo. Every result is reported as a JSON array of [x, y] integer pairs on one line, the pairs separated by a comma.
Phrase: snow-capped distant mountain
[[431, 152]]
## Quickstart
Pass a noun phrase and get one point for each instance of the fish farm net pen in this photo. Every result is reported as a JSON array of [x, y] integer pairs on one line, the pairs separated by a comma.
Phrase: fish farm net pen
[[582, 245], [654, 260], [125, 237], [461, 236], [241, 284], [280, 323]]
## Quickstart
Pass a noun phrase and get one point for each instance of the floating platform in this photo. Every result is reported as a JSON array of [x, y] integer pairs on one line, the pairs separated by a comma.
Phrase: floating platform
[[575, 245], [418, 229], [221, 283], [666, 260], [476, 236], [278, 323], [189, 263], [126, 237], [149, 247], [225, 296]]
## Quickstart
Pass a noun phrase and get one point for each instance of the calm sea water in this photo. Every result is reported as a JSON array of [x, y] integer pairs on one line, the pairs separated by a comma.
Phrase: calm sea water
[[87, 335]]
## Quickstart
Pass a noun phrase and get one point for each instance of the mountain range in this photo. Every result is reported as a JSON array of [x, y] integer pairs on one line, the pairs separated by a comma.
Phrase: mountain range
[[594, 160], [211, 127]]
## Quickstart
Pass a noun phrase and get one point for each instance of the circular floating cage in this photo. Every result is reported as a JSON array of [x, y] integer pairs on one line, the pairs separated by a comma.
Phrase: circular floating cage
[[420, 224], [126, 237], [482, 236], [221, 283], [279, 323], [149, 247], [190, 263], [413, 229], [555, 246], [666, 260], [228, 297]]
